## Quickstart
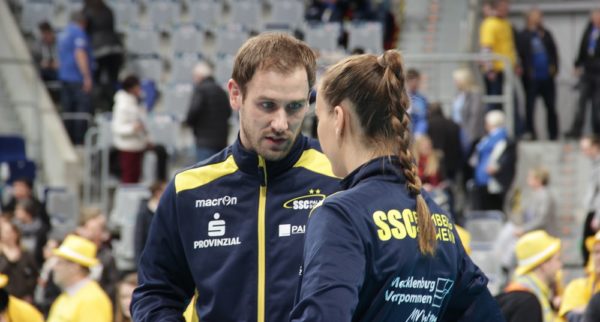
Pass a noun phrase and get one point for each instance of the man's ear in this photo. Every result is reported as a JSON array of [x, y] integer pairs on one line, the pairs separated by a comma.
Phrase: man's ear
[[235, 95]]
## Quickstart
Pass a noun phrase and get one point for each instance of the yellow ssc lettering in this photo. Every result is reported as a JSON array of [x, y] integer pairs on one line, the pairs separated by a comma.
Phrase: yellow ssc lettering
[[410, 222], [380, 218], [399, 231]]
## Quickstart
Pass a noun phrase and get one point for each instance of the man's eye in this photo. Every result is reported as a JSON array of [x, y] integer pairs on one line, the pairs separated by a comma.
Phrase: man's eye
[[267, 105], [293, 107]]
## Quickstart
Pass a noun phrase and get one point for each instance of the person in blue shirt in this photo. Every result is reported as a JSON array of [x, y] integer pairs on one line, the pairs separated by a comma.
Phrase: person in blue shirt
[[381, 249], [418, 102], [539, 62], [75, 73]]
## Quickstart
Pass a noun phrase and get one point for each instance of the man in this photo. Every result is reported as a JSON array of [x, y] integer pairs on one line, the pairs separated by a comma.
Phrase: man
[[587, 66], [45, 52], [231, 228], [13, 309], [494, 161], [580, 291], [209, 113], [92, 227], [539, 59], [590, 147], [529, 297], [75, 73], [418, 102], [496, 36], [82, 298]]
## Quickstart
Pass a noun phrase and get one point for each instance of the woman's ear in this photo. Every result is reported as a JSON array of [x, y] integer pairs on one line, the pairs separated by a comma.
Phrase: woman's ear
[[339, 114]]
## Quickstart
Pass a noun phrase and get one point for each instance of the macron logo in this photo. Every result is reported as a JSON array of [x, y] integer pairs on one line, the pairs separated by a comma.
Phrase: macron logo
[[216, 202]]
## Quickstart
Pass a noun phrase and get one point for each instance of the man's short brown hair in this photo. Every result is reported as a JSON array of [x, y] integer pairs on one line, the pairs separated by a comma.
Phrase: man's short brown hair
[[272, 51]]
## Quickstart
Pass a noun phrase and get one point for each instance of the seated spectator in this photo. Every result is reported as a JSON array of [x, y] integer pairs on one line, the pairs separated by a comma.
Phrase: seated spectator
[[16, 263], [144, 217], [82, 298], [529, 296], [124, 293], [467, 109], [429, 163], [13, 309], [494, 161], [129, 133], [46, 290], [418, 102], [539, 207], [93, 228], [33, 231], [45, 52], [579, 291], [22, 189]]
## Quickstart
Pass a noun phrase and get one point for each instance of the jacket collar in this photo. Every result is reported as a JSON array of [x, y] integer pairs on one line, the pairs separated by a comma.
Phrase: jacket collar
[[247, 160], [387, 167]]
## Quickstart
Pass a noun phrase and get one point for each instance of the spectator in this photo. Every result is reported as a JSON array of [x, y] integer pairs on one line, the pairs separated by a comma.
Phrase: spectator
[[124, 293], [17, 263], [445, 136], [429, 162], [82, 298], [209, 113], [592, 312], [145, 215], [129, 133], [538, 257], [46, 290], [590, 147], [579, 291], [494, 161], [467, 109], [107, 50], [33, 231], [45, 52], [539, 61], [93, 228], [587, 67], [496, 36], [75, 73], [418, 102], [22, 189], [13, 309], [540, 206]]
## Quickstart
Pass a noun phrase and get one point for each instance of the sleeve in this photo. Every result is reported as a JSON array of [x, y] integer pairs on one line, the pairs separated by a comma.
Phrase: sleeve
[[122, 123], [165, 284], [486, 34], [582, 47], [80, 40], [195, 109], [334, 266], [573, 297], [471, 299]]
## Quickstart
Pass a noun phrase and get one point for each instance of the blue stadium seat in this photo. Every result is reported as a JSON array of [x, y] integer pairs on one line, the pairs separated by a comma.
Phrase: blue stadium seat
[[163, 14], [324, 36], [125, 13], [247, 13], [182, 66], [142, 41], [287, 12], [366, 35], [188, 39], [62, 207], [230, 39], [21, 169], [223, 69], [12, 148], [148, 67], [206, 13], [35, 12], [177, 100]]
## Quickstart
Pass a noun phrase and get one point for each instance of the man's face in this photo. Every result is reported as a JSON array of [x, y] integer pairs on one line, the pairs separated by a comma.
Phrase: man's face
[[596, 18], [552, 266], [413, 84], [271, 111], [587, 148], [502, 9], [94, 230], [63, 271]]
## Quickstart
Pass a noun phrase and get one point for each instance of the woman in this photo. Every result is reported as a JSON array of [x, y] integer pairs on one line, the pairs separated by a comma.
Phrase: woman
[[124, 292], [16, 263], [360, 262], [33, 230]]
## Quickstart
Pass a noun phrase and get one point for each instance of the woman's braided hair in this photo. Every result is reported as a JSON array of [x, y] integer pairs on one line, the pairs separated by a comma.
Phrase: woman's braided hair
[[376, 88]]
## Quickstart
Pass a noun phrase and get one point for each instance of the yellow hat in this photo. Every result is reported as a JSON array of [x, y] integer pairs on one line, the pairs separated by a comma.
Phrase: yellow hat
[[78, 250], [533, 249], [465, 238], [3, 280]]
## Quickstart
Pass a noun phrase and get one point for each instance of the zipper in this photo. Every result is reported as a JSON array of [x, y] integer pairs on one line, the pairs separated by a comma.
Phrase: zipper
[[262, 201]]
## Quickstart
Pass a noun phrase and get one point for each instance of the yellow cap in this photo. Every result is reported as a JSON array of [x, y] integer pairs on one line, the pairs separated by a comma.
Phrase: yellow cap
[[3, 280], [465, 238], [78, 250], [533, 249]]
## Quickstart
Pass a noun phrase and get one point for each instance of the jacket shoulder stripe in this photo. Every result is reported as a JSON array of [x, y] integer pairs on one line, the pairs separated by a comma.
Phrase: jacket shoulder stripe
[[315, 161], [196, 177]]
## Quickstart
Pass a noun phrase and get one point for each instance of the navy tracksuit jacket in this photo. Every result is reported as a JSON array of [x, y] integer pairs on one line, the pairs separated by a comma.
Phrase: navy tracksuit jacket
[[232, 229], [362, 261]]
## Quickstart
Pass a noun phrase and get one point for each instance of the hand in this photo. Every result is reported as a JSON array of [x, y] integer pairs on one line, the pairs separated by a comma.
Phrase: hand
[[491, 170], [87, 84]]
